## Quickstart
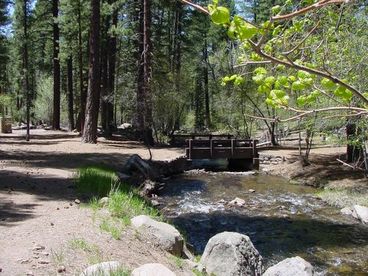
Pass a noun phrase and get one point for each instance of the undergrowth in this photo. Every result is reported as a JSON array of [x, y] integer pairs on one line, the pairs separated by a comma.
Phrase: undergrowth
[[96, 180], [124, 202]]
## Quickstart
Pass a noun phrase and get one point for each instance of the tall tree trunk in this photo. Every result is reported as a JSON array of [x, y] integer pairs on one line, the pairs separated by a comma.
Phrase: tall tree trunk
[[82, 91], [56, 66], [104, 76], [177, 58], [93, 95], [111, 76], [206, 88], [144, 97], [25, 68], [70, 94]]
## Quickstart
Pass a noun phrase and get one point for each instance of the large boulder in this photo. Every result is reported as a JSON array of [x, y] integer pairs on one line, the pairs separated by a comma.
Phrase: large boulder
[[162, 234], [101, 269], [361, 213], [231, 254], [153, 269], [291, 267]]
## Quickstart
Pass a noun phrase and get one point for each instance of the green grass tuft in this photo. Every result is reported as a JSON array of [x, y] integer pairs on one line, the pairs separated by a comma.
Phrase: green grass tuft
[[124, 202], [126, 205], [113, 227], [177, 261], [120, 272], [97, 181]]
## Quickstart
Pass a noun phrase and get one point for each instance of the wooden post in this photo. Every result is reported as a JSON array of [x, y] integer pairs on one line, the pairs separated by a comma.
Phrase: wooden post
[[190, 148], [232, 147], [255, 156], [211, 148]]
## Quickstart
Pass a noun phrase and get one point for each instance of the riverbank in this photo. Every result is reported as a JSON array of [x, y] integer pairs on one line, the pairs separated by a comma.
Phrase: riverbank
[[341, 185]]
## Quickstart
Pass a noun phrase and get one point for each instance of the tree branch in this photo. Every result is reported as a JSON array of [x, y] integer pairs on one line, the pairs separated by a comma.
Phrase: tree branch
[[291, 64], [318, 5], [302, 41], [304, 113], [197, 7]]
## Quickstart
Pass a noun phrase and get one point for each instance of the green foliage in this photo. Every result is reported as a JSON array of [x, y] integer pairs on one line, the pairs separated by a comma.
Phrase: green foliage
[[241, 29], [124, 202], [43, 108], [97, 180], [126, 205], [113, 227], [220, 15]]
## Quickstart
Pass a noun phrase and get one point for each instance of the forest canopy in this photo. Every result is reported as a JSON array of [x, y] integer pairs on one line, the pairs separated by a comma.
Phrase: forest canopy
[[163, 66]]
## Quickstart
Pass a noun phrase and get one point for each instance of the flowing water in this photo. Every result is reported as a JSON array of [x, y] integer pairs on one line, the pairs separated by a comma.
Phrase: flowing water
[[282, 219]]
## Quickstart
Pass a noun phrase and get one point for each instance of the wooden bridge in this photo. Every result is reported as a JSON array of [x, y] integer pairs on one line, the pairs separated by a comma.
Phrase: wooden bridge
[[239, 152]]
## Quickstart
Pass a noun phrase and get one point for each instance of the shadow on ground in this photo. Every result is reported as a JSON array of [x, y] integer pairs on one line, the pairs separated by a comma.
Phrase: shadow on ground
[[11, 213], [16, 187], [60, 160]]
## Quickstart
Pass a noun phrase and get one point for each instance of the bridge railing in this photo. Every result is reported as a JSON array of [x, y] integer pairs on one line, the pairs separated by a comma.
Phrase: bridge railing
[[180, 140], [216, 148]]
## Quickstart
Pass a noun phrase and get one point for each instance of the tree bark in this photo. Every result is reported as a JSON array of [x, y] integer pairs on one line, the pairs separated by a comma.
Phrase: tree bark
[[93, 94], [104, 76], [111, 77], [56, 65], [70, 94], [144, 97], [83, 95], [25, 68], [205, 83]]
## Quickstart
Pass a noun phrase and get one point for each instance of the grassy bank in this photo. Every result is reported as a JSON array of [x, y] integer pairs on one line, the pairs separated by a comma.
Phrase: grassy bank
[[343, 197], [124, 202]]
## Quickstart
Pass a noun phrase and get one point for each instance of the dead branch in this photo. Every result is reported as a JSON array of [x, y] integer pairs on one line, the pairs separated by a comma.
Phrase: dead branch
[[350, 166]]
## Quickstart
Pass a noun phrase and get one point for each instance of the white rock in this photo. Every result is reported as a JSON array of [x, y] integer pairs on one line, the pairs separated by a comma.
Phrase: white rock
[[101, 269], [237, 202], [361, 213], [153, 269], [162, 234], [291, 267], [347, 211], [231, 254], [103, 201]]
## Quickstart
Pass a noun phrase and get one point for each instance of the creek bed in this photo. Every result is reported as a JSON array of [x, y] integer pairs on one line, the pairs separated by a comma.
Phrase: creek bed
[[282, 219]]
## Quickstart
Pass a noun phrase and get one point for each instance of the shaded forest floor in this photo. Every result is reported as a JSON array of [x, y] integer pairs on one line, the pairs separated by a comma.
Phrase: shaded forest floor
[[42, 227]]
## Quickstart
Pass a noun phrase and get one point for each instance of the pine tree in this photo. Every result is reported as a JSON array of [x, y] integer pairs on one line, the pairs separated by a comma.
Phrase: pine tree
[[4, 53], [56, 65], [144, 89], [92, 105]]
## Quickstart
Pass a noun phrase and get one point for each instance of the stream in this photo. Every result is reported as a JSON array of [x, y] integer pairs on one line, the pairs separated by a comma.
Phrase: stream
[[282, 220]]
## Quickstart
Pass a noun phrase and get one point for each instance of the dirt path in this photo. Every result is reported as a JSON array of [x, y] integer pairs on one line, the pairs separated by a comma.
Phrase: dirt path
[[42, 229]]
